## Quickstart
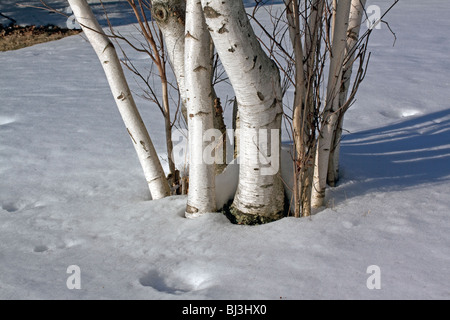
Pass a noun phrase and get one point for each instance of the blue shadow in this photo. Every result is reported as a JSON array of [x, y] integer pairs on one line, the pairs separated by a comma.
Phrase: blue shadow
[[402, 155]]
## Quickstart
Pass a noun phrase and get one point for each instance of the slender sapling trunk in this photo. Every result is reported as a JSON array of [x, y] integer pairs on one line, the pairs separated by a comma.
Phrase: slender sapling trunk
[[107, 55]]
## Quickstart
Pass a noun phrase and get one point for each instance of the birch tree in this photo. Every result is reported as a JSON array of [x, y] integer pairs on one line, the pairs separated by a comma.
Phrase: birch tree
[[306, 72], [201, 197], [323, 34], [337, 55], [170, 16], [157, 55], [135, 127], [256, 83], [354, 26]]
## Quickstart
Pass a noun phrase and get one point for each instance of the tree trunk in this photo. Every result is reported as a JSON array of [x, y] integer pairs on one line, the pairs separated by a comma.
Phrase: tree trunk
[[256, 82], [170, 17], [293, 18], [201, 196], [314, 23], [332, 102], [157, 54], [167, 123], [354, 25], [304, 102], [313, 32], [107, 55]]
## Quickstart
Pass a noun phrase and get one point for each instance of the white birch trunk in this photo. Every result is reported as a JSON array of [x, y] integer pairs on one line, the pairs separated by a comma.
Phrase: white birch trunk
[[256, 82], [311, 33], [354, 26], [292, 15], [293, 18], [170, 17], [303, 100], [107, 55], [332, 102], [201, 196]]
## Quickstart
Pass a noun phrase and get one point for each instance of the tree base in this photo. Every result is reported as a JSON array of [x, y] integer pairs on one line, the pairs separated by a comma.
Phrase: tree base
[[238, 217]]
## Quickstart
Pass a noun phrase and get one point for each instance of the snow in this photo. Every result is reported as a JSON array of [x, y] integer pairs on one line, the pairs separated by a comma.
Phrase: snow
[[72, 191]]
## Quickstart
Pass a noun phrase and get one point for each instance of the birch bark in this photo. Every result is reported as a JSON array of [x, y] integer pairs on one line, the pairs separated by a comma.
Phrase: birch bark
[[256, 82], [170, 17], [201, 196], [107, 55], [354, 26], [332, 102]]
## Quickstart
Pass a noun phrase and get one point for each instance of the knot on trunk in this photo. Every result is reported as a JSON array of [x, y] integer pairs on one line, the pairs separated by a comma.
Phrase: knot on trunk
[[162, 11]]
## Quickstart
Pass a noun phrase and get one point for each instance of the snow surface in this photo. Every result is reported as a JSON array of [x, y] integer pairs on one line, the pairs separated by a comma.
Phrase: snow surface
[[72, 191]]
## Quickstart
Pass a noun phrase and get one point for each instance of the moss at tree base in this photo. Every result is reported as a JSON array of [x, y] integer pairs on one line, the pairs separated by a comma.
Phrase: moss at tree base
[[238, 217]]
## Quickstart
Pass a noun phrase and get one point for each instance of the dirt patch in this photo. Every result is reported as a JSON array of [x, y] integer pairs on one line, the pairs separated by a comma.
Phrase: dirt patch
[[14, 37]]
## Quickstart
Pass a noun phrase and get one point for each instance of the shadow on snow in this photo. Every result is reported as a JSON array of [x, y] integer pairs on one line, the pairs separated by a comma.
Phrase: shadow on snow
[[397, 156]]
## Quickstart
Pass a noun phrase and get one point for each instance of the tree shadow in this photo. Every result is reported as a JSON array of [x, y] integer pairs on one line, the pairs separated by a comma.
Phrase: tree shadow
[[119, 13], [398, 156]]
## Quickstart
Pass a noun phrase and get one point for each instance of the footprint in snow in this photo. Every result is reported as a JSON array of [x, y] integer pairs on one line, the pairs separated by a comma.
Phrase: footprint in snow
[[350, 224], [40, 248], [10, 207], [162, 283]]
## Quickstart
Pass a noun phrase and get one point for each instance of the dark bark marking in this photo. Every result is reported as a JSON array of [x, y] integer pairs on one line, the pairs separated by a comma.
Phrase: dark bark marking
[[254, 62], [143, 145], [132, 138], [159, 12], [191, 209], [260, 96], [189, 35], [210, 12], [107, 46], [200, 113], [200, 68], [223, 29], [122, 97]]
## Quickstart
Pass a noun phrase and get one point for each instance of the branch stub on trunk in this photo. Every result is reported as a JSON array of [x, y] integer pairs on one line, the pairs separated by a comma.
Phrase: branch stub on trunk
[[163, 10]]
